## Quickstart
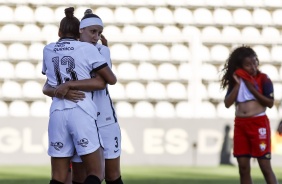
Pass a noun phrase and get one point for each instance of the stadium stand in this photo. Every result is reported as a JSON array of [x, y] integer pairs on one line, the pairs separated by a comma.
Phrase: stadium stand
[[155, 48]]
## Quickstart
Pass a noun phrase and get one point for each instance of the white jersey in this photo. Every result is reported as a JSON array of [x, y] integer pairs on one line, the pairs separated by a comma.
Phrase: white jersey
[[69, 59], [106, 111]]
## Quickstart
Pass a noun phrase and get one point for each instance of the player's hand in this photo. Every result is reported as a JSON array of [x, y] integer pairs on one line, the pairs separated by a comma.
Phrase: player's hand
[[62, 90], [74, 95], [250, 86], [236, 78], [104, 40]]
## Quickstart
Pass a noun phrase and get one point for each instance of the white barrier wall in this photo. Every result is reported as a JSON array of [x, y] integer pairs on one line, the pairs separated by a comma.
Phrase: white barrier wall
[[144, 141]]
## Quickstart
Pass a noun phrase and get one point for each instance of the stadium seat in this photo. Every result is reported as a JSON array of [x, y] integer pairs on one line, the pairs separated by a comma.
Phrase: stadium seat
[[140, 52], [106, 14], [263, 53], [38, 71], [156, 91], [120, 52], [262, 16], [144, 15], [276, 53], [135, 91], [210, 33], [124, 15], [31, 32], [254, 3], [131, 31], [18, 51], [11, 89], [190, 31], [272, 113], [25, 70], [242, 17], [231, 33], [222, 16], [209, 72], [160, 52], [124, 109], [7, 70], [127, 71], [147, 71], [136, 2], [176, 91], [195, 3], [24, 14], [37, 2], [205, 110], [184, 109], [111, 32], [175, 3], [226, 113], [3, 52], [181, 53], [163, 16], [39, 109], [4, 109], [35, 51], [219, 53], [250, 33], [50, 33], [277, 91], [164, 109], [215, 92], [111, 2], [144, 109], [271, 71], [170, 31], [59, 13], [216, 3], [276, 17], [183, 16], [8, 12], [205, 54], [201, 93], [32, 89], [151, 32], [10, 32], [117, 91], [203, 16], [237, 3], [167, 71], [41, 12], [18, 108], [185, 71], [270, 34], [273, 3]]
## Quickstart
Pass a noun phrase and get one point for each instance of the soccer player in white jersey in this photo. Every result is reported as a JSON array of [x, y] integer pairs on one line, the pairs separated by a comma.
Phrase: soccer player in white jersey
[[72, 125], [91, 28]]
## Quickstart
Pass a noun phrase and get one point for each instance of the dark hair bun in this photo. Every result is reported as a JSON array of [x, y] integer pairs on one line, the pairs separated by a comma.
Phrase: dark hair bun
[[88, 11], [69, 12]]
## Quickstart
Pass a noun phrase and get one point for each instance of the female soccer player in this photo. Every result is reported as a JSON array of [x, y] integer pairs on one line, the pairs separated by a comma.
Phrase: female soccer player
[[72, 125], [91, 28], [252, 92]]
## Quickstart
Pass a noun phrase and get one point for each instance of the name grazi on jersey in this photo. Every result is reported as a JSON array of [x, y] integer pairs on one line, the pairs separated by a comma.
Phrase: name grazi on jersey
[[62, 46]]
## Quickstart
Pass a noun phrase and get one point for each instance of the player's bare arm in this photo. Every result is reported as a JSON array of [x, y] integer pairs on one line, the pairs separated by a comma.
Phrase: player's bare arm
[[107, 74]]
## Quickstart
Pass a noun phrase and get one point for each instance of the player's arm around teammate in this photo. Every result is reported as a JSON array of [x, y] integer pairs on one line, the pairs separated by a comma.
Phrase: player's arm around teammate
[[59, 62]]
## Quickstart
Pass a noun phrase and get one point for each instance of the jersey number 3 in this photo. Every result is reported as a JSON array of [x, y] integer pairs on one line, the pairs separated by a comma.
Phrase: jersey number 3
[[66, 60]]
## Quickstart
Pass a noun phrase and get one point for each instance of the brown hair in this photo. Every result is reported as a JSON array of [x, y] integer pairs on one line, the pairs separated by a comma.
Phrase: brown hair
[[69, 25]]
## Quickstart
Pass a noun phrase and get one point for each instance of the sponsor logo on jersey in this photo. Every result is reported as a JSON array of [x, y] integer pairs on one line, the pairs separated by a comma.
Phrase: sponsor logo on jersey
[[262, 146], [83, 142], [57, 145], [116, 150], [262, 133]]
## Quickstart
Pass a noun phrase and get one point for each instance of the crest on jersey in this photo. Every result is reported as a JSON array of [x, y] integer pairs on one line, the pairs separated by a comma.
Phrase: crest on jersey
[[262, 133]]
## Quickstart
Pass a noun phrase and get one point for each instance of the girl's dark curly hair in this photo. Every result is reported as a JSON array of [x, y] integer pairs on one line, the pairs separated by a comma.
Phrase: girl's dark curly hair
[[234, 62]]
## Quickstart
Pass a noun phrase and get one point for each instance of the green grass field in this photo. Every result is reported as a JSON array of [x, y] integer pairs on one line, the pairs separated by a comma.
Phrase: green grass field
[[142, 175]]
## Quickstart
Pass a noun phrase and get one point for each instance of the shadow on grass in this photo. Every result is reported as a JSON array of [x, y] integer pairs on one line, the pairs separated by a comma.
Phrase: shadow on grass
[[139, 181]]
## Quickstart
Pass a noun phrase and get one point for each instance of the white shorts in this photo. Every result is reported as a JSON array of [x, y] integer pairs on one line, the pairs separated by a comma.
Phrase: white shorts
[[72, 130], [111, 137]]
